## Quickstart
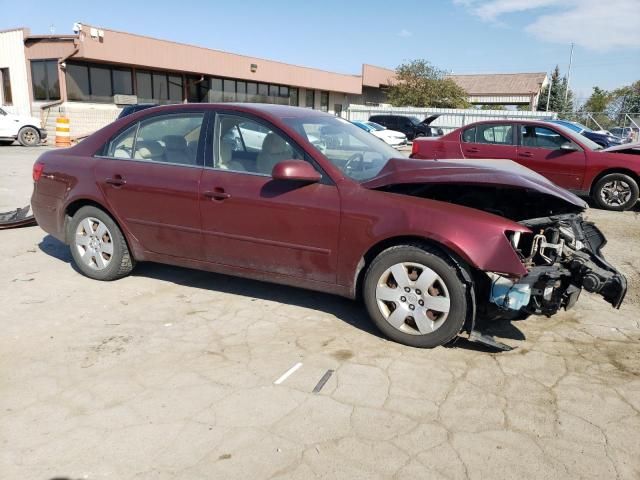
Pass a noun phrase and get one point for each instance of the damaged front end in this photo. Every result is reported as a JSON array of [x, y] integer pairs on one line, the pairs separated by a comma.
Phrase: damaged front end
[[562, 256]]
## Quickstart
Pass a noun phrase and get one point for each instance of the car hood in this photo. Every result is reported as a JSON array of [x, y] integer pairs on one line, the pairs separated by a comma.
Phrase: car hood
[[624, 146], [489, 172]]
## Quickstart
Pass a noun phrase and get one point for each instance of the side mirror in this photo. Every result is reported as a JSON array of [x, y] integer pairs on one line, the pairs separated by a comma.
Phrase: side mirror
[[568, 147], [295, 170]]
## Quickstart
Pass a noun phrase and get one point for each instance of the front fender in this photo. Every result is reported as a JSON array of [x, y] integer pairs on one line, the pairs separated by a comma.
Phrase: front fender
[[475, 236]]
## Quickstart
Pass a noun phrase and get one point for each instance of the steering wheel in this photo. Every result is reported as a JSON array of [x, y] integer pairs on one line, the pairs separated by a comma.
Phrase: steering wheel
[[356, 156]]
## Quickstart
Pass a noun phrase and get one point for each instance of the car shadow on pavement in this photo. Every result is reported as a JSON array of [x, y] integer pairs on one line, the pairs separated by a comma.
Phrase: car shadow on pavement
[[349, 311]]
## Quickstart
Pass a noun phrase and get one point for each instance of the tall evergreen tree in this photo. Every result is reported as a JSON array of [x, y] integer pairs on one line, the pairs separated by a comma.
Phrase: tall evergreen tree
[[558, 86]]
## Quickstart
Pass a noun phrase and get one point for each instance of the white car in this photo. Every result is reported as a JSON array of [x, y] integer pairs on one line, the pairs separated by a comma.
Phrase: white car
[[392, 137], [21, 128]]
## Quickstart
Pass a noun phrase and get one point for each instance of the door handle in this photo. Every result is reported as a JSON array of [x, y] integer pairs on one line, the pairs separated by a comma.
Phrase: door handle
[[116, 181], [472, 150], [217, 194], [526, 154]]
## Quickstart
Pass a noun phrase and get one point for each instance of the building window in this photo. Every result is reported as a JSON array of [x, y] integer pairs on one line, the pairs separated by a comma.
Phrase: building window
[[263, 93], [229, 91], [96, 83], [217, 93], [7, 98], [44, 79], [159, 87], [293, 97], [198, 89], [252, 92], [324, 101], [310, 101], [241, 91], [122, 81]]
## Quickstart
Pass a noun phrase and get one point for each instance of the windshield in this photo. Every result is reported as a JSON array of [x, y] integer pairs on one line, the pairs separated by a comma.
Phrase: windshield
[[357, 153], [591, 145], [376, 126], [414, 120]]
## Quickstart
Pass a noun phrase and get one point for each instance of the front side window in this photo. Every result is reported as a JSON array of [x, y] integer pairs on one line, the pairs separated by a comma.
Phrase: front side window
[[44, 80], [494, 134], [171, 138], [358, 154], [541, 137], [245, 145]]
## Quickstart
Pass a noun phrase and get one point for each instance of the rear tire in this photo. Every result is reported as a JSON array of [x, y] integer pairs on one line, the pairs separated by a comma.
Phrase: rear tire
[[29, 137], [616, 191], [97, 244], [425, 308]]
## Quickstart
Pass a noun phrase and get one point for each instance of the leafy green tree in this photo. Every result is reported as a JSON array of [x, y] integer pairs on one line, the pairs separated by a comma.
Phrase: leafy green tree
[[420, 84], [557, 102], [595, 108]]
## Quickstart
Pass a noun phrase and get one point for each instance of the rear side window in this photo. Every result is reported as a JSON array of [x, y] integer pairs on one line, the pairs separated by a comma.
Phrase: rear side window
[[469, 135], [169, 138], [494, 134]]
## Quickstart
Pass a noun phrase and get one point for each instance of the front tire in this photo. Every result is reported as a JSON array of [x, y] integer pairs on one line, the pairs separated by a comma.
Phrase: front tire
[[29, 137], [616, 192], [98, 247], [415, 296]]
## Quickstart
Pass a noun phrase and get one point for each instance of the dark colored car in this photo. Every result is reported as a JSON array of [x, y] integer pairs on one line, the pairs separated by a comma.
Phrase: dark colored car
[[243, 189], [605, 140], [568, 159], [129, 109], [410, 126]]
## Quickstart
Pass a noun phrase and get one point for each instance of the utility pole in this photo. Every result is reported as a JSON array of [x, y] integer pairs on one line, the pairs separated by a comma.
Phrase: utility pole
[[566, 91], [549, 92]]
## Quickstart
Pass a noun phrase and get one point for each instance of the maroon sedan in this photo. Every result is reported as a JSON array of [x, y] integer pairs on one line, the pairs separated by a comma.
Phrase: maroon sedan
[[560, 154], [303, 198]]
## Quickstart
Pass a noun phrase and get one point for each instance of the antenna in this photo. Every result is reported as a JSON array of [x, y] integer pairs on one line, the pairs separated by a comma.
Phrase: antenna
[[566, 90]]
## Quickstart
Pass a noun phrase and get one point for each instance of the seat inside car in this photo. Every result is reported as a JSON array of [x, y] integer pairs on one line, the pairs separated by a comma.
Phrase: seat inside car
[[226, 161], [274, 150], [149, 150], [176, 150]]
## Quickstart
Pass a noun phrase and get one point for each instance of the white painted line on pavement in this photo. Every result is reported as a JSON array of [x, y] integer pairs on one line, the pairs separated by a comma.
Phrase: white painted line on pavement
[[287, 374]]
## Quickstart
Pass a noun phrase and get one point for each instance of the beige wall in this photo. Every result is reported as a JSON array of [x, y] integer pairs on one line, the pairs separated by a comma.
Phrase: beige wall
[[12, 57], [125, 48]]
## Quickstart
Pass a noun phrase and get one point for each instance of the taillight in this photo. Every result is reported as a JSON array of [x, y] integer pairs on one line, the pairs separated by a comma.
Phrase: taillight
[[37, 171], [414, 148]]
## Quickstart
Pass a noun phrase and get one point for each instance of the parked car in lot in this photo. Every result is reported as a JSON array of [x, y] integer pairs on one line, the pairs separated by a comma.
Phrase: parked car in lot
[[391, 137], [603, 138], [24, 129], [627, 134], [565, 157], [410, 126], [427, 245]]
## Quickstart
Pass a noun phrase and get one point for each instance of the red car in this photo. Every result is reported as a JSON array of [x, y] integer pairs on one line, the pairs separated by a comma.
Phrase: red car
[[568, 159], [304, 198]]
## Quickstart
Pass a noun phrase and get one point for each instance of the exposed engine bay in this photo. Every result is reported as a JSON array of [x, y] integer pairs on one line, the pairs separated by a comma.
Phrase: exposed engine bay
[[562, 254]]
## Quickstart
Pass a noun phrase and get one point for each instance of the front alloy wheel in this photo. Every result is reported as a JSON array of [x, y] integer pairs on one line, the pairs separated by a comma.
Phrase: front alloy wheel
[[616, 191], [415, 296]]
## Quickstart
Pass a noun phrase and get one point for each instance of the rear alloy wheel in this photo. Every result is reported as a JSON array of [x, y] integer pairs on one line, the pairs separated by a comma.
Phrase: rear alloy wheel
[[616, 191], [97, 245], [28, 136], [415, 297]]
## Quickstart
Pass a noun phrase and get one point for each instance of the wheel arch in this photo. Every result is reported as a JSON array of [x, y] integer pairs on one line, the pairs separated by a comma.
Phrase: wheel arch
[[468, 273], [75, 205], [622, 170]]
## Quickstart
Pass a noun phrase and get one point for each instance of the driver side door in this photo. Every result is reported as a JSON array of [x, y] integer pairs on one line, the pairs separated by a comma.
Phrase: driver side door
[[253, 222]]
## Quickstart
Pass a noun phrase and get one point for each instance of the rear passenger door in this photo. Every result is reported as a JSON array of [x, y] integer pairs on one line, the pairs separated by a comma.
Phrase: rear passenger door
[[491, 140], [149, 175]]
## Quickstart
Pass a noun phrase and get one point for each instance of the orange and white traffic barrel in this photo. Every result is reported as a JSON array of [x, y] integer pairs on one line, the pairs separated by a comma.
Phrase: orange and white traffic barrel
[[63, 132]]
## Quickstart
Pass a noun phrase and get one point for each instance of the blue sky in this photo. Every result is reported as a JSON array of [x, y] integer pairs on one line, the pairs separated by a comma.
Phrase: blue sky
[[464, 36]]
